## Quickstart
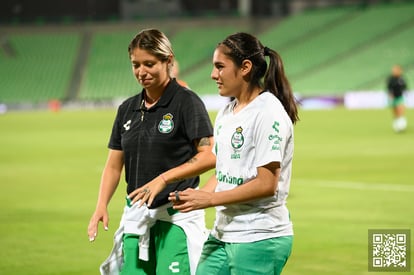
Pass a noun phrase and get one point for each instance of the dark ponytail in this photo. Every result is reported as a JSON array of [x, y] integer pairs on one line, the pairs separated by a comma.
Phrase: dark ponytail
[[243, 46], [276, 81]]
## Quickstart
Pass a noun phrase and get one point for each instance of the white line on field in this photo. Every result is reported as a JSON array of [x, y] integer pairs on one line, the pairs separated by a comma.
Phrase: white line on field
[[357, 185]]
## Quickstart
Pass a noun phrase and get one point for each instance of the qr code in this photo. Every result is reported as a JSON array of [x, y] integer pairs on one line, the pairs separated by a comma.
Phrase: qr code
[[389, 250]]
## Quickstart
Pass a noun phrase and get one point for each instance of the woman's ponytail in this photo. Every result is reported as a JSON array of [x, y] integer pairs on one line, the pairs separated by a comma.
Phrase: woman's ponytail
[[276, 82]]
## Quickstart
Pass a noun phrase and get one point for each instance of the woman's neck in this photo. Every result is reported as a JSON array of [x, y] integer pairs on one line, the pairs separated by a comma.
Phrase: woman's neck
[[245, 98], [150, 101], [152, 96]]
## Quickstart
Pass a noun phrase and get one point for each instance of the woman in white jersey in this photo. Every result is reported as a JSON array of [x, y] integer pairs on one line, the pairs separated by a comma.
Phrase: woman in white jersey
[[252, 233]]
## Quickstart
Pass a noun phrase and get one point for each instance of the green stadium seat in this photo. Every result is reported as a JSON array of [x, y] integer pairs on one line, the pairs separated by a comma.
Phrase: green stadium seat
[[40, 69]]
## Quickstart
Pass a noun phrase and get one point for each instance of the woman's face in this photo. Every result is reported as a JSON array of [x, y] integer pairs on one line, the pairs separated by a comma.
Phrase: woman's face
[[226, 74], [396, 71], [150, 72]]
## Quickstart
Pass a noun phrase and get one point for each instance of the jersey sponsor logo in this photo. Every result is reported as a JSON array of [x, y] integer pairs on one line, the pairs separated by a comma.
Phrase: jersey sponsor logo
[[174, 267], [227, 178], [166, 125], [277, 139], [235, 155], [127, 125], [237, 139]]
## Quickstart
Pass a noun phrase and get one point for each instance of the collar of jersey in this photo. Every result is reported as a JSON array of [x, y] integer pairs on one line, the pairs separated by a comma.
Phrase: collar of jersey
[[165, 98]]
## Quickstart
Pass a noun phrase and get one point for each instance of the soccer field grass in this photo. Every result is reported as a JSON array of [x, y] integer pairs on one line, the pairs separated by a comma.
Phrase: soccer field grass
[[351, 173]]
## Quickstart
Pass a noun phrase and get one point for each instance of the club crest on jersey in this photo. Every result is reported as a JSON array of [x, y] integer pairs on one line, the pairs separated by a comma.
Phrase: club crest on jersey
[[237, 139], [166, 125]]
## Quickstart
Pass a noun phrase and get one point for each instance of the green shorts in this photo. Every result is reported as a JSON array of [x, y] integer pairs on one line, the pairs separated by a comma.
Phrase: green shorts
[[396, 101], [168, 252], [267, 257]]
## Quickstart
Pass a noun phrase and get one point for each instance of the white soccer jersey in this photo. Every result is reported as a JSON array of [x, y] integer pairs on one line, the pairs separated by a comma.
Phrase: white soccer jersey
[[260, 133]]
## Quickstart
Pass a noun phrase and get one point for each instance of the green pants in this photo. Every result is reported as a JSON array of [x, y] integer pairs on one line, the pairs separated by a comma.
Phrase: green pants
[[168, 252], [267, 257]]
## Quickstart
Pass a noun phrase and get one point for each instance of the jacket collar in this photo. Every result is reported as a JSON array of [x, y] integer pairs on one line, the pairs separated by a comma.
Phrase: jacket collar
[[165, 99]]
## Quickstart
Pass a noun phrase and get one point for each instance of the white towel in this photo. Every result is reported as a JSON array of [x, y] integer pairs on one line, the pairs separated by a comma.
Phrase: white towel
[[139, 220]]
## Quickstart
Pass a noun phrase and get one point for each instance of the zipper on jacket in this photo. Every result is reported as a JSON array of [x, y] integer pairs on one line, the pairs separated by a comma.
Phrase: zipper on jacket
[[142, 109]]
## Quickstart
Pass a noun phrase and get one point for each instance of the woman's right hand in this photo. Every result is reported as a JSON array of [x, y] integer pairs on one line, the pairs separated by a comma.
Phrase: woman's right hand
[[109, 182], [100, 215]]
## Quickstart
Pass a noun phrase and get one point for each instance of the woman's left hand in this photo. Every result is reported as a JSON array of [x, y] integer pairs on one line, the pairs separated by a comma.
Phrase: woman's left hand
[[190, 199], [147, 192]]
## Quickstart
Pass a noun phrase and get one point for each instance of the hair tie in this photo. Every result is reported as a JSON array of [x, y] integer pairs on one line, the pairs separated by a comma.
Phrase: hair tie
[[266, 51]]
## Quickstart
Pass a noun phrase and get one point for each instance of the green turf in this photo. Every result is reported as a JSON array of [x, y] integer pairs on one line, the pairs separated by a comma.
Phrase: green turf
[[351, 173]]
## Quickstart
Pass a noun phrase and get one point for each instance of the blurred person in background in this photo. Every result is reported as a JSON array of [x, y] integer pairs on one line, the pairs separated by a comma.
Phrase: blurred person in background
[[176, 74], [252, 232], [396, 86], [163, 138]]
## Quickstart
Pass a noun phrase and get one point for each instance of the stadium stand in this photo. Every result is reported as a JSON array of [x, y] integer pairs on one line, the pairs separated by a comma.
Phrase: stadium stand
[[348, 42], [108, 73], [200, 41], [343, 50], [303, 26], [365, 69], [326, 52], [196, 67], [276, 36], [108, 70], [39, 67]]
